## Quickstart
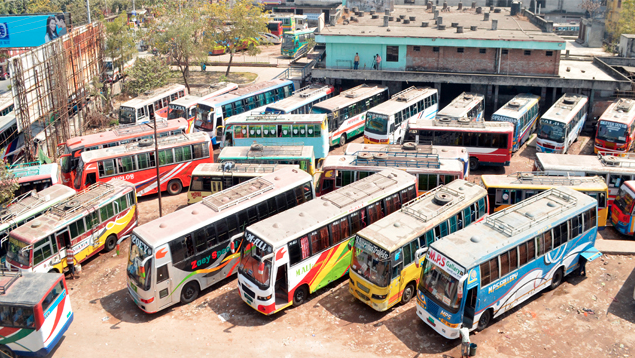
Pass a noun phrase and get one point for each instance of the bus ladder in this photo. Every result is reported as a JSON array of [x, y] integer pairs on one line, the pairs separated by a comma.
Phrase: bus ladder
[[457, 198], [83, 199]]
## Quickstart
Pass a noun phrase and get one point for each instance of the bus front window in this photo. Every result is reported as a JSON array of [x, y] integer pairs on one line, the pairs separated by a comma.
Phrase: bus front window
[[551, 130], [78, 174], [624, 201], [440, 285], [17, 253], [377, 123], [126, 115], [177, 112], [288, 42], [65, 162], [138, 271], [251, 264], [612, 132], [371, 262], [204, 118]]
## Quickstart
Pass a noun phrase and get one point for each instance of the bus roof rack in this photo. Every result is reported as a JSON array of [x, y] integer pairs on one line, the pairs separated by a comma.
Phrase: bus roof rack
[[405, 95], [21, 204], [558, 180], [443, 195], [613, 161], [126, 129], [397, 159], [309, 91], [277, 150], [460, 122], [7, 278], [359, 190], [82, 200], [355, 91], [565, 200], [237, 194]]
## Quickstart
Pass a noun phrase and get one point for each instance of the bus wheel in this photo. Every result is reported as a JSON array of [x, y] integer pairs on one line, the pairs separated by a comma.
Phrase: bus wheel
[[111, 243], [473, 163], [300, 295], [556, 280], [408, 293], [343, 140], [175, 187], [51, 271], [6, 352], [483, 322], [189, 292]]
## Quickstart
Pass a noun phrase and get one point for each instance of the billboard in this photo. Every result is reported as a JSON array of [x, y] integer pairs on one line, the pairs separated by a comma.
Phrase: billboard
[[32, 30]]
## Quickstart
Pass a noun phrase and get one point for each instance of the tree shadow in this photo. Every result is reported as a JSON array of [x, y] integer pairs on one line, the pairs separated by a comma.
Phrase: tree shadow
[[341, 304], [623, 305], [122, 308]]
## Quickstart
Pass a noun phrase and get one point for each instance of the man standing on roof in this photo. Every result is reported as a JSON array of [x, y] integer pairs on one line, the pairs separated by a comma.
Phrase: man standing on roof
[[378, 62], [356, 61]]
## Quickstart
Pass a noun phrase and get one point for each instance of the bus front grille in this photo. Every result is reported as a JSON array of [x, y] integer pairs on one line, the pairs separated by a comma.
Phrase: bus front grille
[[248, 291]]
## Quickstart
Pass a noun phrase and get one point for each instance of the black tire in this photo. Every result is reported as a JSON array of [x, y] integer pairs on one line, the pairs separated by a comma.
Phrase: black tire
[[408, 293], [50, 271], [342, 140], [473, 164], [300, 295], [189, 292], [556, 280], [6, 352], [175, 187], [484, 321], [111, 243]]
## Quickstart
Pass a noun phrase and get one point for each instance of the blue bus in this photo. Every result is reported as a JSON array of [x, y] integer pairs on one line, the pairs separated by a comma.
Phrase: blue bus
[[279, 130], [522, 112], [475, 275], [302, 100], [212, 113]]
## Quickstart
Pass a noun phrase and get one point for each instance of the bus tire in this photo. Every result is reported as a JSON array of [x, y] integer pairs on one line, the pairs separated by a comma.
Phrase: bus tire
[[556, 279], [408, 293], [300, 295], [342, 140], [473, 163], [111, 243], [484, 321], [189, 292], [6, 352], [50, 271], [175, 187]]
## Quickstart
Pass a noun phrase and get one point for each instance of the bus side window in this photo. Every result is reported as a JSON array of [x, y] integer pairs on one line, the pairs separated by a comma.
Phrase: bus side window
[[252, 214], [576, 226], [221, 230], [201, 241], [295, 252]]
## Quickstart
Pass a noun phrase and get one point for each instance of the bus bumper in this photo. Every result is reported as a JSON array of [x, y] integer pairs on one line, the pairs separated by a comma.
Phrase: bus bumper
[[438, 326], [368, 140], [366, 298]]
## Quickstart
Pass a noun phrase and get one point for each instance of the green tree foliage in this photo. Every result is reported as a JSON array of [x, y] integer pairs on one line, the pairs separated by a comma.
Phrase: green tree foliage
[[626, 23], [229, 23], [147, 74], [40, 6], [120, 42], [8, 184]]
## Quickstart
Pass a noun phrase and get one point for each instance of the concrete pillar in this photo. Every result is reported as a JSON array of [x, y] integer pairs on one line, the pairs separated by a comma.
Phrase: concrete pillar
[[437, 85], [590, 107], [543, 97], [495, 98], [553, 96]]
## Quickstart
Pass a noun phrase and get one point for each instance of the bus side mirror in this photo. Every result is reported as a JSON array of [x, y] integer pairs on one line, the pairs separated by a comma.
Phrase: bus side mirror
[[460, 288], [232, 240], [419, 254]]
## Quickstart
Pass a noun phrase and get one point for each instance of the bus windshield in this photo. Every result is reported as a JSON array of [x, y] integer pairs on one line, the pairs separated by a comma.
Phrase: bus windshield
[[612, 132], [318, 110], [288, 42], [126, 115], [250, 259], [551, 130], [371, 262], [203, 117], [440, 285], [377, 123], [177, 111], [65, 162], [16, 252], [78, 174], [139, 251], [624, 201]]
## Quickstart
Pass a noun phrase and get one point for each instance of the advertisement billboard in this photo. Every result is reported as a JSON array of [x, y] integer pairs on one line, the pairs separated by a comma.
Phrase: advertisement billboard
[[32, 30]]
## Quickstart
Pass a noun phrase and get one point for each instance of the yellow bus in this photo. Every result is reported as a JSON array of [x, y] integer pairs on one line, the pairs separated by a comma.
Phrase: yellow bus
[[506, 190], [384, 270]]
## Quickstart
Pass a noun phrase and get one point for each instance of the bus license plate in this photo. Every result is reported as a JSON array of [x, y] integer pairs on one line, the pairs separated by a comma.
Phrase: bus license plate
[[249, 299], [134, 288], [362, 296]]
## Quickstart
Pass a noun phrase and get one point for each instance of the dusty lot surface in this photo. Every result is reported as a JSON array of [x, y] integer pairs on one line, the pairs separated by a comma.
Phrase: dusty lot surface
[[584, 317]]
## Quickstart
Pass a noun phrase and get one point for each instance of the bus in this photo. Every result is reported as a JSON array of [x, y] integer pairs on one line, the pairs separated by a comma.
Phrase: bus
[[136, 163], [153, 103], [212, 113], [279, 130], [347, 111], [35, 312], [475, 275], [622, 212], [185, 107], [302, 100], [505, 190], [279, 154], [291, 22], [295, 44], [173, 258], [613, 170], [615, 128], [384, 271], [88, 222], [467, 105], [275, 27], [386, 123], [443, 152], [209, 178], [6, 104], [288, 256], [73, 148], [488, 143], [220, 48], [560, 126], [430, 169], [36, 176], [522, 111]]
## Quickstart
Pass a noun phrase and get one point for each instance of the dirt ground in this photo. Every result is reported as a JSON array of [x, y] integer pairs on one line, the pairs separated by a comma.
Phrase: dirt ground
[[584, 317]]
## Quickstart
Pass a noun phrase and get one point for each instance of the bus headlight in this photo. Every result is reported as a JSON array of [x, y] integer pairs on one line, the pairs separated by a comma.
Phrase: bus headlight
[[379, 297], [260, 298]]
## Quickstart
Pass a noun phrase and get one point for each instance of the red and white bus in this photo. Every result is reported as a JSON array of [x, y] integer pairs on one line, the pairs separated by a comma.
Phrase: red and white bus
[[615, 134], [185, 107], [144, 108], [35, 176], [275, 27], [136, 163], [74, 147], [488, 143]]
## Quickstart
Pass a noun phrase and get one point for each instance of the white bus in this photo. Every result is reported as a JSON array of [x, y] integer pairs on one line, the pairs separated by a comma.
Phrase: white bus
[[145, 107], [292, 254], [185, 107], [467, 105], [6, 104], [386, 123], [302, 100], [174, 257], [347, 112], [560, 126]]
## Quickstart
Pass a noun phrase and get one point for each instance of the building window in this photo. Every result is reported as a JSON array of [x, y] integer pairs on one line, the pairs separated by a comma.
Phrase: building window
[[392, 53], [435, 49], [527, 53], [549, 53], [505, 52], [460, 49], [416, 48], [482, 50]]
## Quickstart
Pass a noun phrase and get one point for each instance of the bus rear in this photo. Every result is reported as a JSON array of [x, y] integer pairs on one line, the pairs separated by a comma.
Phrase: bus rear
[[467, 105], [622, 215], [560, 126], [614, 135]]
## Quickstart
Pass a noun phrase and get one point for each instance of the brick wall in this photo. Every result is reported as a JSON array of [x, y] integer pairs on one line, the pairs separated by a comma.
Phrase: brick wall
[[537, 63]]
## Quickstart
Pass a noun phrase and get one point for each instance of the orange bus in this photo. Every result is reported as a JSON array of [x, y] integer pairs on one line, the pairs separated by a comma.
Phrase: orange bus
[[616, 128]]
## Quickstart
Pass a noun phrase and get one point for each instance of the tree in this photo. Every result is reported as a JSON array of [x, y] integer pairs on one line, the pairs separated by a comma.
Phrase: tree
[[626, 22], [120, 42], [40, 6], [147, 74], [9, 184], [591, 6], [230, 23]]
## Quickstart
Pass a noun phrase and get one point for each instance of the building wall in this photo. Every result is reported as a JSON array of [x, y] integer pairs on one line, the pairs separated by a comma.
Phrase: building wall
[[339, 56], [449, 59], [536, 63], [572, 6]]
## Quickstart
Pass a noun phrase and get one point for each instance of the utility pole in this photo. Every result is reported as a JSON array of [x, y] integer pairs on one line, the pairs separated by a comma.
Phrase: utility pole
[[88, 10], [156, 163]]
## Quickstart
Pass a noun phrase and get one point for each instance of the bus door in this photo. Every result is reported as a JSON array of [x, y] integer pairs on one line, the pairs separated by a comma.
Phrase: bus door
[[470, 300], [281, 288], [63, 241], [397, 278], [151, 111], [163, 284]]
